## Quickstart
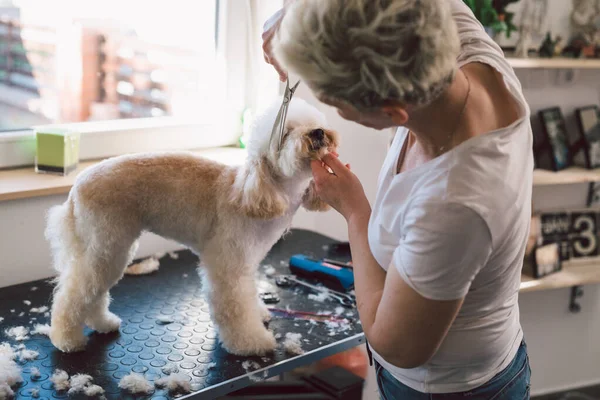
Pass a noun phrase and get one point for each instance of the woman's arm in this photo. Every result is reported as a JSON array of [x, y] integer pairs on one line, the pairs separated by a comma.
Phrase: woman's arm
[[401, 325]]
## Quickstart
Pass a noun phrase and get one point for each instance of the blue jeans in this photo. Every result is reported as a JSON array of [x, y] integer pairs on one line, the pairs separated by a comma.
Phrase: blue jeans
[[510, 384]]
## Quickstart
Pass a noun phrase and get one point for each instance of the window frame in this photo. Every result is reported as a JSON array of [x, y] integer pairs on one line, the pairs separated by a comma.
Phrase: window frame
[[242, 65]]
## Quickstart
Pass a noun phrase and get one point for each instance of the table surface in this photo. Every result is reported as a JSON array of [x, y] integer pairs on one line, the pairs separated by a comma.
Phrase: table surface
[[190, 343]]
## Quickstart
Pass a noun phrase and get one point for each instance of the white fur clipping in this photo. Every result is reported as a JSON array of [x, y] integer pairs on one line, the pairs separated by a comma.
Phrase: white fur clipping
[[270, 271], [93, 390], [35, 393], [175, 383], [18, 333], [39, 310], [40, 329], [79, 382], [135, 383], [321, 297], [10, 372], [144, 267], [60, 379], [27, 302], [174, 255], [292, 344], [34, 373], [5, 392], [28, 355]]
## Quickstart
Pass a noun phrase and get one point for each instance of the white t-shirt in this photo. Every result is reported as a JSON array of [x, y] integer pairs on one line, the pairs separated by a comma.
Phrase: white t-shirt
[[457, 226]]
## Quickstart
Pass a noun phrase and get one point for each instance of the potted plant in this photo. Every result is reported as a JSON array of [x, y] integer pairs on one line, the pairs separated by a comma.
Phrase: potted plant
[[493, 15]]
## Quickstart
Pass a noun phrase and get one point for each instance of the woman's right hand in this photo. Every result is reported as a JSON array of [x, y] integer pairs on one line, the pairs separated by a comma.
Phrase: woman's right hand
[[270, 28]]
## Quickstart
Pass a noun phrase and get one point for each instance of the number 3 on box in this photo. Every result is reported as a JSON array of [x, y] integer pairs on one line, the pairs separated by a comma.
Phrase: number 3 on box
[[584, 237]]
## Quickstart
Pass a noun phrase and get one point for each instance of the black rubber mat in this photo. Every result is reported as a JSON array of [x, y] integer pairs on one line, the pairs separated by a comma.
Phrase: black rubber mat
[[190, 343]]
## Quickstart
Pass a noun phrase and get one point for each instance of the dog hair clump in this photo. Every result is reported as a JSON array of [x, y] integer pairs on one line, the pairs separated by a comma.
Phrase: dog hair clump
[[321, 297], [27, 302], [60, 379], [39, 310], [93, 390], [292, 344], [34, 373], [34, 392], [143, 267], [175, 383], [41, 329], [10, 372], [135, 383], [28, 355], [18, 333]]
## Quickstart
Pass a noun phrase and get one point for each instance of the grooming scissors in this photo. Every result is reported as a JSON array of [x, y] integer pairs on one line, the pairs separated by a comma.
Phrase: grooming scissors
[[279, 125]]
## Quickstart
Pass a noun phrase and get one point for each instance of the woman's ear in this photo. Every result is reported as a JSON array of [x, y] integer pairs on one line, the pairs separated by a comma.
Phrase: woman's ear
[[311, 200], [396, 112], [256, 194]]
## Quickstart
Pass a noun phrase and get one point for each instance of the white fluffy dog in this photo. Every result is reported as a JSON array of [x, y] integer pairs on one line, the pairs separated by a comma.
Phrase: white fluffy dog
[[229, 216]]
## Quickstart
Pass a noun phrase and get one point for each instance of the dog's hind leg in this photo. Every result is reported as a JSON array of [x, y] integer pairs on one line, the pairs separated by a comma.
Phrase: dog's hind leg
[[99, 318], [81, 296], [233, 298]]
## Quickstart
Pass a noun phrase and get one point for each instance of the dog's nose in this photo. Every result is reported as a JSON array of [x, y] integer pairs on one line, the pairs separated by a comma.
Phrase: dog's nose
[[317, 134]]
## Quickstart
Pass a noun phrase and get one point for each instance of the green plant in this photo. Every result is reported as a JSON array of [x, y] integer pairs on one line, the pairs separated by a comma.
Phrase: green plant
[[492, 14]]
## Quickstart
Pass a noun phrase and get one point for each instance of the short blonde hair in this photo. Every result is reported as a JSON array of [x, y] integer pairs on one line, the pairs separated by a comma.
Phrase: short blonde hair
[[364, 52]]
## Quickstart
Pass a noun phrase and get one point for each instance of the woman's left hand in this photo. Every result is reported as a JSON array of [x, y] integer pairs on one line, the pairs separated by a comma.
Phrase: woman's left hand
[[341, 189]]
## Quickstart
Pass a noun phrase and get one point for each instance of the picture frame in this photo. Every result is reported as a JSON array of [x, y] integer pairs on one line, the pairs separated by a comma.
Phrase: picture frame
[[588, 120], [553, 148], [546, 260]]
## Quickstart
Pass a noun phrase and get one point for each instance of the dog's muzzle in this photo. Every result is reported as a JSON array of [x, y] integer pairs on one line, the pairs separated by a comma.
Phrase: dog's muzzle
[[317, 139]]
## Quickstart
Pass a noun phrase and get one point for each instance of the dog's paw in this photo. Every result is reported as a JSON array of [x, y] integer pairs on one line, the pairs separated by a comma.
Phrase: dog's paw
[[105, 323], [265, 314], [250, 344], [68, 342]]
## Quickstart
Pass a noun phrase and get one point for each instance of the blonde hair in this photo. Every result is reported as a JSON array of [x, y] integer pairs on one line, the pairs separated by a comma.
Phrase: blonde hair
[[364, 52]]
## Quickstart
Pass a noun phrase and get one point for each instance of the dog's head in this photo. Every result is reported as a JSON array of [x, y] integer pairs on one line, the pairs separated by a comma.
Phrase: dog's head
[[260, 187], [306, 137]]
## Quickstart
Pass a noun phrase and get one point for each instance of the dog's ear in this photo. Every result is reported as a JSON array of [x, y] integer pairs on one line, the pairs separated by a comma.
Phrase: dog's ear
[[311, 200], [256, 193]]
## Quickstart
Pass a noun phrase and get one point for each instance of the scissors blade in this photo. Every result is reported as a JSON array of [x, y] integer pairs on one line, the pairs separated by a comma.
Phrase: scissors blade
[[279, 125]]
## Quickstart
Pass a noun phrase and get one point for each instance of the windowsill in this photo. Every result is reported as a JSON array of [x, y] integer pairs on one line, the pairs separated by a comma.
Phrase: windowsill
[[24, 183]]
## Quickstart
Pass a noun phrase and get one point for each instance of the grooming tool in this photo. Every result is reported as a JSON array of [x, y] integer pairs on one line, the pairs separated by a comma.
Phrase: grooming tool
[[269, 297], [347, 300], [305, 315], [330, 274], [342, 264], [279, 125]]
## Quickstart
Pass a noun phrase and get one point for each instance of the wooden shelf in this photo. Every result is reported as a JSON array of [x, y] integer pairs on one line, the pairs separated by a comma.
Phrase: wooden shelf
[[554, 63], [26, 183], [573, 274], [567, 176]]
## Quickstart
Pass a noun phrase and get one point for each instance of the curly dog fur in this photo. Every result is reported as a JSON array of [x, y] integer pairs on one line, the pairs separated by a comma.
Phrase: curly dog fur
[[230, 216]]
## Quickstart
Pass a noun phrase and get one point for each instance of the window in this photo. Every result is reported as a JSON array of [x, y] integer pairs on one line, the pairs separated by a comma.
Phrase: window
[[72, 61], [130, 75]]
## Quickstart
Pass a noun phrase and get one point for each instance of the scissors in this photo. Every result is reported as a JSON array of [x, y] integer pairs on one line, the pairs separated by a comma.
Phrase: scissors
[[279, 125]]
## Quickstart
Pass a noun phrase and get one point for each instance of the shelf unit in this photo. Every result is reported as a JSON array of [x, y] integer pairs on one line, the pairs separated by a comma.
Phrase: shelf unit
[[572, 274], [554, 63], [567, 176]]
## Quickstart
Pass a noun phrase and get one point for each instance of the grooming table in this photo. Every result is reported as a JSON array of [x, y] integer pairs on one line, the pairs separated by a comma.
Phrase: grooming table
[[147, 346]]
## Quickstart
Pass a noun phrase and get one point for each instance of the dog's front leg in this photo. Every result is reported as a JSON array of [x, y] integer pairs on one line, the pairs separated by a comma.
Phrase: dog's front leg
[[233, 295]]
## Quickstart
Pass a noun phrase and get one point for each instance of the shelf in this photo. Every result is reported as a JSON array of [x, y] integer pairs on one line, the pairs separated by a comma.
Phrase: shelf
[[572, 274], [25, 183], [554, 63], [566, 176]]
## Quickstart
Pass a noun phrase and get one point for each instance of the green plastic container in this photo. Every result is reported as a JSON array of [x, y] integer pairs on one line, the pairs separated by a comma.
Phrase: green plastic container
[[56, 151]]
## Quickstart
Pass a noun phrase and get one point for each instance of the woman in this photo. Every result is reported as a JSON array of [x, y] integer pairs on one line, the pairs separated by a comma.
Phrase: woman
[[438, 256]]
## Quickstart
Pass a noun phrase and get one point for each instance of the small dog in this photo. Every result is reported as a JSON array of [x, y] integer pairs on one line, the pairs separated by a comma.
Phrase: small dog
[[229, 216]]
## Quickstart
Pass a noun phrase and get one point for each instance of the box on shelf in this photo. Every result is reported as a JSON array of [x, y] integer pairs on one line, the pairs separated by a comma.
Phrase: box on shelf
[[56, 151]]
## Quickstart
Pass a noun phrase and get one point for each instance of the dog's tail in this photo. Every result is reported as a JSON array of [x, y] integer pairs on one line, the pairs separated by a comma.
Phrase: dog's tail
[[61, 233]]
